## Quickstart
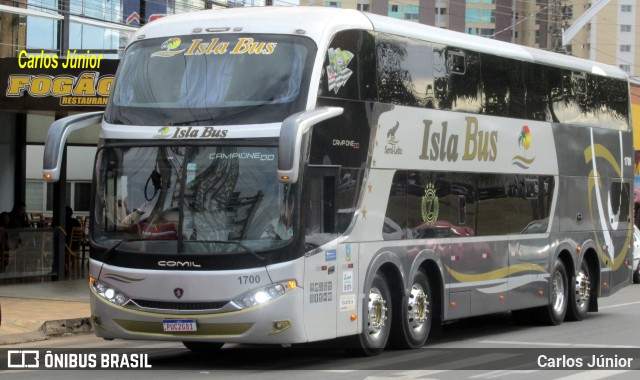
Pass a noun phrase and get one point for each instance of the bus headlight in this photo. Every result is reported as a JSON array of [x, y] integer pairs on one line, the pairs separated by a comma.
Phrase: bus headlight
[[259, 296], [109, 293]]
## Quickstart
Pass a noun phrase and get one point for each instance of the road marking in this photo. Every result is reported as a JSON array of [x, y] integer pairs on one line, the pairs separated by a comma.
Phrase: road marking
[[500, 373], [619, 305], [554, 344], [593, 375]]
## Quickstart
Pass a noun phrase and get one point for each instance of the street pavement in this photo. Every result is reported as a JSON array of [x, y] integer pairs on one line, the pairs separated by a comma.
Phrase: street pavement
[[37, 311]]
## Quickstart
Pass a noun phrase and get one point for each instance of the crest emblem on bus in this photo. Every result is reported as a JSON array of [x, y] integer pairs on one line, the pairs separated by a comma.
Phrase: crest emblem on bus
[[168, 48], [337, 71], [178, 292], [430, 205], [524, 141]]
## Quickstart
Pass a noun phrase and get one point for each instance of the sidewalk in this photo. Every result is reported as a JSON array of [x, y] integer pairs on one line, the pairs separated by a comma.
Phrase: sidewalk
[[36, 311]]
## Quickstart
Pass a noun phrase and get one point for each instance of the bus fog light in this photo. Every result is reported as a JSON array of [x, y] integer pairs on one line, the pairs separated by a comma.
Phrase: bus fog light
[[259, 296], [279, 326]]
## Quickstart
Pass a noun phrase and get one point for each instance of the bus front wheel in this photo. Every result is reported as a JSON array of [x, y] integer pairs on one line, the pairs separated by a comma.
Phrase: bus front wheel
[[414, 316], [377, 321]]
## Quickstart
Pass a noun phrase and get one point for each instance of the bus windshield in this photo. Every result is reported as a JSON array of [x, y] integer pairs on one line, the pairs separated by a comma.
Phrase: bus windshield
[[212, 79], [203, 198]]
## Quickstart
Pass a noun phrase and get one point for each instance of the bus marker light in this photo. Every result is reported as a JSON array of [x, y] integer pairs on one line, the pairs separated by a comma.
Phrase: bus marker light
[[350, 265], [579, 249], [353, 317], [541, 292], [454, 304], [605, 284], [501, 298], [285, 177]]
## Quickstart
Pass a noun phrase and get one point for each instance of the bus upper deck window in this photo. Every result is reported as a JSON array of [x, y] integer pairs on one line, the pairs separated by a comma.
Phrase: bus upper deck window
[[456, 62]]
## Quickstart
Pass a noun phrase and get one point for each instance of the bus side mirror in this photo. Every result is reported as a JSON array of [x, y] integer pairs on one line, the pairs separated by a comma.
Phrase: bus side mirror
[[291, 136], [57, 137]]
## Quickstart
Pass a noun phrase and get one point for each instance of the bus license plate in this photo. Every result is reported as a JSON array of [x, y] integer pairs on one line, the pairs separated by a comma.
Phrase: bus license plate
[[177, 325]]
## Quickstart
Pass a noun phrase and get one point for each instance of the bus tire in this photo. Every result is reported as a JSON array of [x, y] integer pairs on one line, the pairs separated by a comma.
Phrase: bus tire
[[555, 311], [579, 294], [377, 319], [414, 316], [203, 347]]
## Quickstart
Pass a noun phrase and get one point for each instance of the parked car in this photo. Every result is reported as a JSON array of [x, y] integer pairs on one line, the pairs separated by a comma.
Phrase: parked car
[[636, 255]]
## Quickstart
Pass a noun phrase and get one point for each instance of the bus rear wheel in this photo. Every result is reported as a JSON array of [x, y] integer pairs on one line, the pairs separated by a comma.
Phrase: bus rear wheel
[[377, 321], [414, 316], [555, 311], [203, 347], [580, 293]]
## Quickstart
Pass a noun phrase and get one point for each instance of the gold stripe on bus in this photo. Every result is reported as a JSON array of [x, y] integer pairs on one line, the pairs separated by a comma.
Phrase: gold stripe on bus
[[496, 274]]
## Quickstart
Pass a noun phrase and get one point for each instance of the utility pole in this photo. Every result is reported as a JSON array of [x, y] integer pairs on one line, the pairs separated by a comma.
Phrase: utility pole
[[556, 27]]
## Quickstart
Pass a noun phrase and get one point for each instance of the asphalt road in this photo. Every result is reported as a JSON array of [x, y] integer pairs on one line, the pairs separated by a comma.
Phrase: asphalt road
[[605, 345]]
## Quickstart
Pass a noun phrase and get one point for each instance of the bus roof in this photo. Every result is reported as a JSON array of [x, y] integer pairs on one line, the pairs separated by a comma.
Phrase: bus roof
[[320, 22], [316, 22], [491, 46]]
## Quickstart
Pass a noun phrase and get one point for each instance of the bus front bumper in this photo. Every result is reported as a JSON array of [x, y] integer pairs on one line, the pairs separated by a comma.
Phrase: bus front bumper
[[278, 321]]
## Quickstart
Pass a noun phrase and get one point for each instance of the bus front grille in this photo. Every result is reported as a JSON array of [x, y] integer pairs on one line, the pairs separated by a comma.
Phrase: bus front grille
[[180, 306]]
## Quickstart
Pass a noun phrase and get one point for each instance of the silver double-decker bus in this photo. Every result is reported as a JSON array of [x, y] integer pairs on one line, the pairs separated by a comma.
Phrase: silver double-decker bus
[[288, 175]]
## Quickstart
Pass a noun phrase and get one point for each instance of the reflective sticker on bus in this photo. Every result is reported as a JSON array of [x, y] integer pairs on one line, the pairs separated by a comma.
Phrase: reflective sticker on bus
[[347, 302], [337, 71]]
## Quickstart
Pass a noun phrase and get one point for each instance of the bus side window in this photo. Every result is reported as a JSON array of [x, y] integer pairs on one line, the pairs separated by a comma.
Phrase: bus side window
[[319, 204], [404, 70], [330, 197], [395, 221], [349, 65]]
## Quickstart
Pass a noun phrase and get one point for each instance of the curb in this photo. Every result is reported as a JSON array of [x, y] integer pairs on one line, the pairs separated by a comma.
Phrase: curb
[[66, 326], [50, 329]]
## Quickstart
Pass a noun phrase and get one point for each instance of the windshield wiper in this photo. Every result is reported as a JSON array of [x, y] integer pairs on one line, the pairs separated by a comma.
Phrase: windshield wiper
[[238, 243]]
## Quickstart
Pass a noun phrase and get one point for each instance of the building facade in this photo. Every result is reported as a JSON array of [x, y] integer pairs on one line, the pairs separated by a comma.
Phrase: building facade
[[57, 57]]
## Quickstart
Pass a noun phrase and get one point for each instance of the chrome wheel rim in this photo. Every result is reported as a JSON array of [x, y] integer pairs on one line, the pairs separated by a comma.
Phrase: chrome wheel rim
[[417, 308], [558, 298], [377, 313], [583, 288]]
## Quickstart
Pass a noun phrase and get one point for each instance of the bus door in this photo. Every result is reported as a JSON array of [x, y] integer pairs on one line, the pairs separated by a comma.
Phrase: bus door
[[320, 219]]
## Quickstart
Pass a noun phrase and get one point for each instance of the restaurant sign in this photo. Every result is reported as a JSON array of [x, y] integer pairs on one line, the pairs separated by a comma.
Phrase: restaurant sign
[[34, 82]]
